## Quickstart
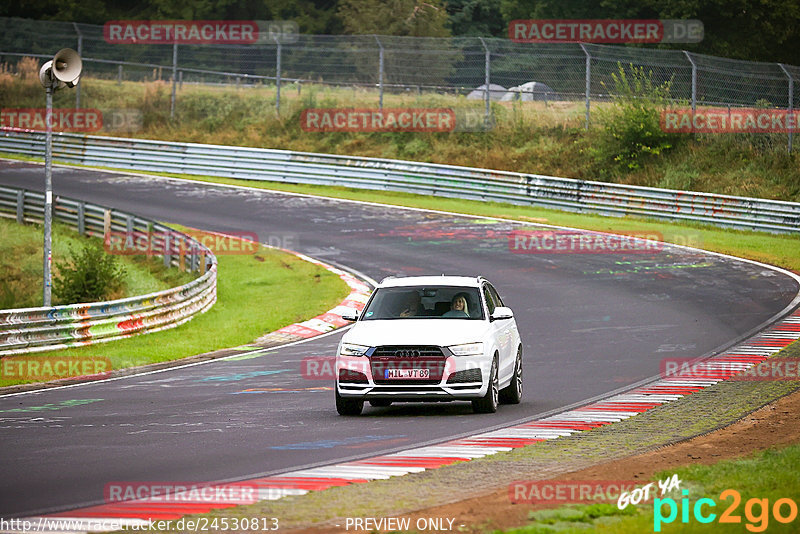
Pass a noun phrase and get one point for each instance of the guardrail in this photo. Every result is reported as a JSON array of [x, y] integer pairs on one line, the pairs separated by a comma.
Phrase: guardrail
[[28, 330], [425, 178]]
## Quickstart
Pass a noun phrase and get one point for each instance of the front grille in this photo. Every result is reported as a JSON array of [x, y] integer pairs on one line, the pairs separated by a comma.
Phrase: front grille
[[407, 351], [468, 375], [428, 357]]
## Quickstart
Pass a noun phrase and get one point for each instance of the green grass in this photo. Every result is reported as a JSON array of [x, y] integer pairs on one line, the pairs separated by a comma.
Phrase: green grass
[[21, 265], [770, 475], [256, 294]]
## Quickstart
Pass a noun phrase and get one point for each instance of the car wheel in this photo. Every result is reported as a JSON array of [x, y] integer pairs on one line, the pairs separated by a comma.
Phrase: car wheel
[[380, 403], [512, 393], [488, 403], [348, 406]]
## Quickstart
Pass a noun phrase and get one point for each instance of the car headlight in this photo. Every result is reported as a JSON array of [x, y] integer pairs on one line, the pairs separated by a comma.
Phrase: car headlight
[[349, 349], [468, 349]]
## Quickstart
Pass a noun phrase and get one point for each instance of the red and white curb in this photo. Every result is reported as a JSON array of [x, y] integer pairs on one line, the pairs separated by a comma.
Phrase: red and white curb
[[615, 408]]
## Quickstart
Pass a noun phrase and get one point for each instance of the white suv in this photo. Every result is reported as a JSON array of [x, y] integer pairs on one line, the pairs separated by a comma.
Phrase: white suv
[[430, 338]]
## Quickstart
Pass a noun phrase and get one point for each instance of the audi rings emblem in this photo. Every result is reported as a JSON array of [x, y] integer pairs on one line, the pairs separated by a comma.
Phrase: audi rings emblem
[[406, 353]]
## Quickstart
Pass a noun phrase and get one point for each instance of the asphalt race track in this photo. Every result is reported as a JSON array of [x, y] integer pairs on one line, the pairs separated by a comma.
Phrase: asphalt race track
[[591, 323]]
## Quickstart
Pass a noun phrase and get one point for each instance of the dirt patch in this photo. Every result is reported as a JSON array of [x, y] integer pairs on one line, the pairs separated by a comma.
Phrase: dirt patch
[[773, 426]]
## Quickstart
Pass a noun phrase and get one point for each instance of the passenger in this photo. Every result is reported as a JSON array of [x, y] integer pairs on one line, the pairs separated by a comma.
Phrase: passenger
[[458, 306]]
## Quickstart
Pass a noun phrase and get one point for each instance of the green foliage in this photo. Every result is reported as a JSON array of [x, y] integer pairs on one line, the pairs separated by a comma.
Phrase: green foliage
[[630, 132], [477, 18], [89, 275], [415, 18]]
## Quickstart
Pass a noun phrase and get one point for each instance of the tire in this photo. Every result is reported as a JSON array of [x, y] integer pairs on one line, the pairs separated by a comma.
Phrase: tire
[[488, 403], [512, 394], [380, 403], [348, 406]]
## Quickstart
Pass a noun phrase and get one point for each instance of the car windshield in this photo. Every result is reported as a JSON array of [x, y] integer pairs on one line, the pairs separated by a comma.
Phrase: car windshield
[[428, 302]]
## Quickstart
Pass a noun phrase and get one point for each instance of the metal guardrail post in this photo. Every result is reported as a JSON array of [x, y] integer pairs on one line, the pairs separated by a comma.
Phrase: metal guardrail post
[[80, 53], [167, 250], [82, 218], [380, 72], [119, 74], [278, 77], [791, 102], [106, 222], [588, 82], [47, 252], [486, 82], [20, 206], [174, 79], [694, 80], [129, 232]]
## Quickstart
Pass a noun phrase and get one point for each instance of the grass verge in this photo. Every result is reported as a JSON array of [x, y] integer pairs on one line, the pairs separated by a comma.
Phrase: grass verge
[[760, 480], [256, 294]]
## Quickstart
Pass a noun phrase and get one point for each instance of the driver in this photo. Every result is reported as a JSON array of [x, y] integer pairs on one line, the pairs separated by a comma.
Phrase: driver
[[409, 305]]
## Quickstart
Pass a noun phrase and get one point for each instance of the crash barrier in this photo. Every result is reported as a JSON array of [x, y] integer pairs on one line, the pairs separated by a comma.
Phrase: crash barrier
[[39, 329], [568, 194]]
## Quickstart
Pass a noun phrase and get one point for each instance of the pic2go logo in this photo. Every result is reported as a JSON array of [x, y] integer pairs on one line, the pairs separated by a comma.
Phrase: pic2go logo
[[756, 511]]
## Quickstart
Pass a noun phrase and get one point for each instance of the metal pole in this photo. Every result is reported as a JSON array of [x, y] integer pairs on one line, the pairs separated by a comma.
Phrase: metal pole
[[174, 79], [48, 198], [486, 82], [694, 81], [80, 53], [278, 78], [380, 72], [791, 103], [588, 83]]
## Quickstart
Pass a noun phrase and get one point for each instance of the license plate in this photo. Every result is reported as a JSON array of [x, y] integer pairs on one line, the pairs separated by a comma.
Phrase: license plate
[[407, 373]]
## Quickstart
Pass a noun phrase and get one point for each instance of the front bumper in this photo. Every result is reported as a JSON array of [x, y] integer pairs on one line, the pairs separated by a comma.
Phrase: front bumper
[[454, 378]]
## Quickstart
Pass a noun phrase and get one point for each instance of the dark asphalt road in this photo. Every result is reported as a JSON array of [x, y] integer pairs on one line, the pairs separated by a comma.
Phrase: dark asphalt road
[[591, 323]]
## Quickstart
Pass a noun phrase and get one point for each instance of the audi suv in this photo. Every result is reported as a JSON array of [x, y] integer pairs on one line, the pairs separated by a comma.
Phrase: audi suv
[[430, 338]]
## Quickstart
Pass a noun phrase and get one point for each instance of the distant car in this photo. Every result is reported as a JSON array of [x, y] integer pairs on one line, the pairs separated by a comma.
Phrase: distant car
[[430, 338]]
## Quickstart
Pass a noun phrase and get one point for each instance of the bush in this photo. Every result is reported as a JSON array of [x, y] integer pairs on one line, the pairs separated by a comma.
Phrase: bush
[[631, 131], [90, 275]]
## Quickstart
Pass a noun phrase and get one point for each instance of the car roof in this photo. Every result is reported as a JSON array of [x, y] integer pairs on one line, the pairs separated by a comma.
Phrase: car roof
[[461, 281]]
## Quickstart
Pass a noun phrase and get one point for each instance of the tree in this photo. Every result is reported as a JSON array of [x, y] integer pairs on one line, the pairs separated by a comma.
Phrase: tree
[[414, 18], [477, 18]]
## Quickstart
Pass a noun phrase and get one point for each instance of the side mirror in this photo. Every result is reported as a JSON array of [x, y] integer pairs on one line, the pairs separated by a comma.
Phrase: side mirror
[[350, 317], [501, 313]]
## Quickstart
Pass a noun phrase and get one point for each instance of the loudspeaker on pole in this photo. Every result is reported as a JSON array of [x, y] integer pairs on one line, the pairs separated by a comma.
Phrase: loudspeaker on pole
[[64, 70]]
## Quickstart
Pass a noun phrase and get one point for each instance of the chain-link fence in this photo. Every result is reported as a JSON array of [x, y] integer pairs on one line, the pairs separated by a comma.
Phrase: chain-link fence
[[483, 69]]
